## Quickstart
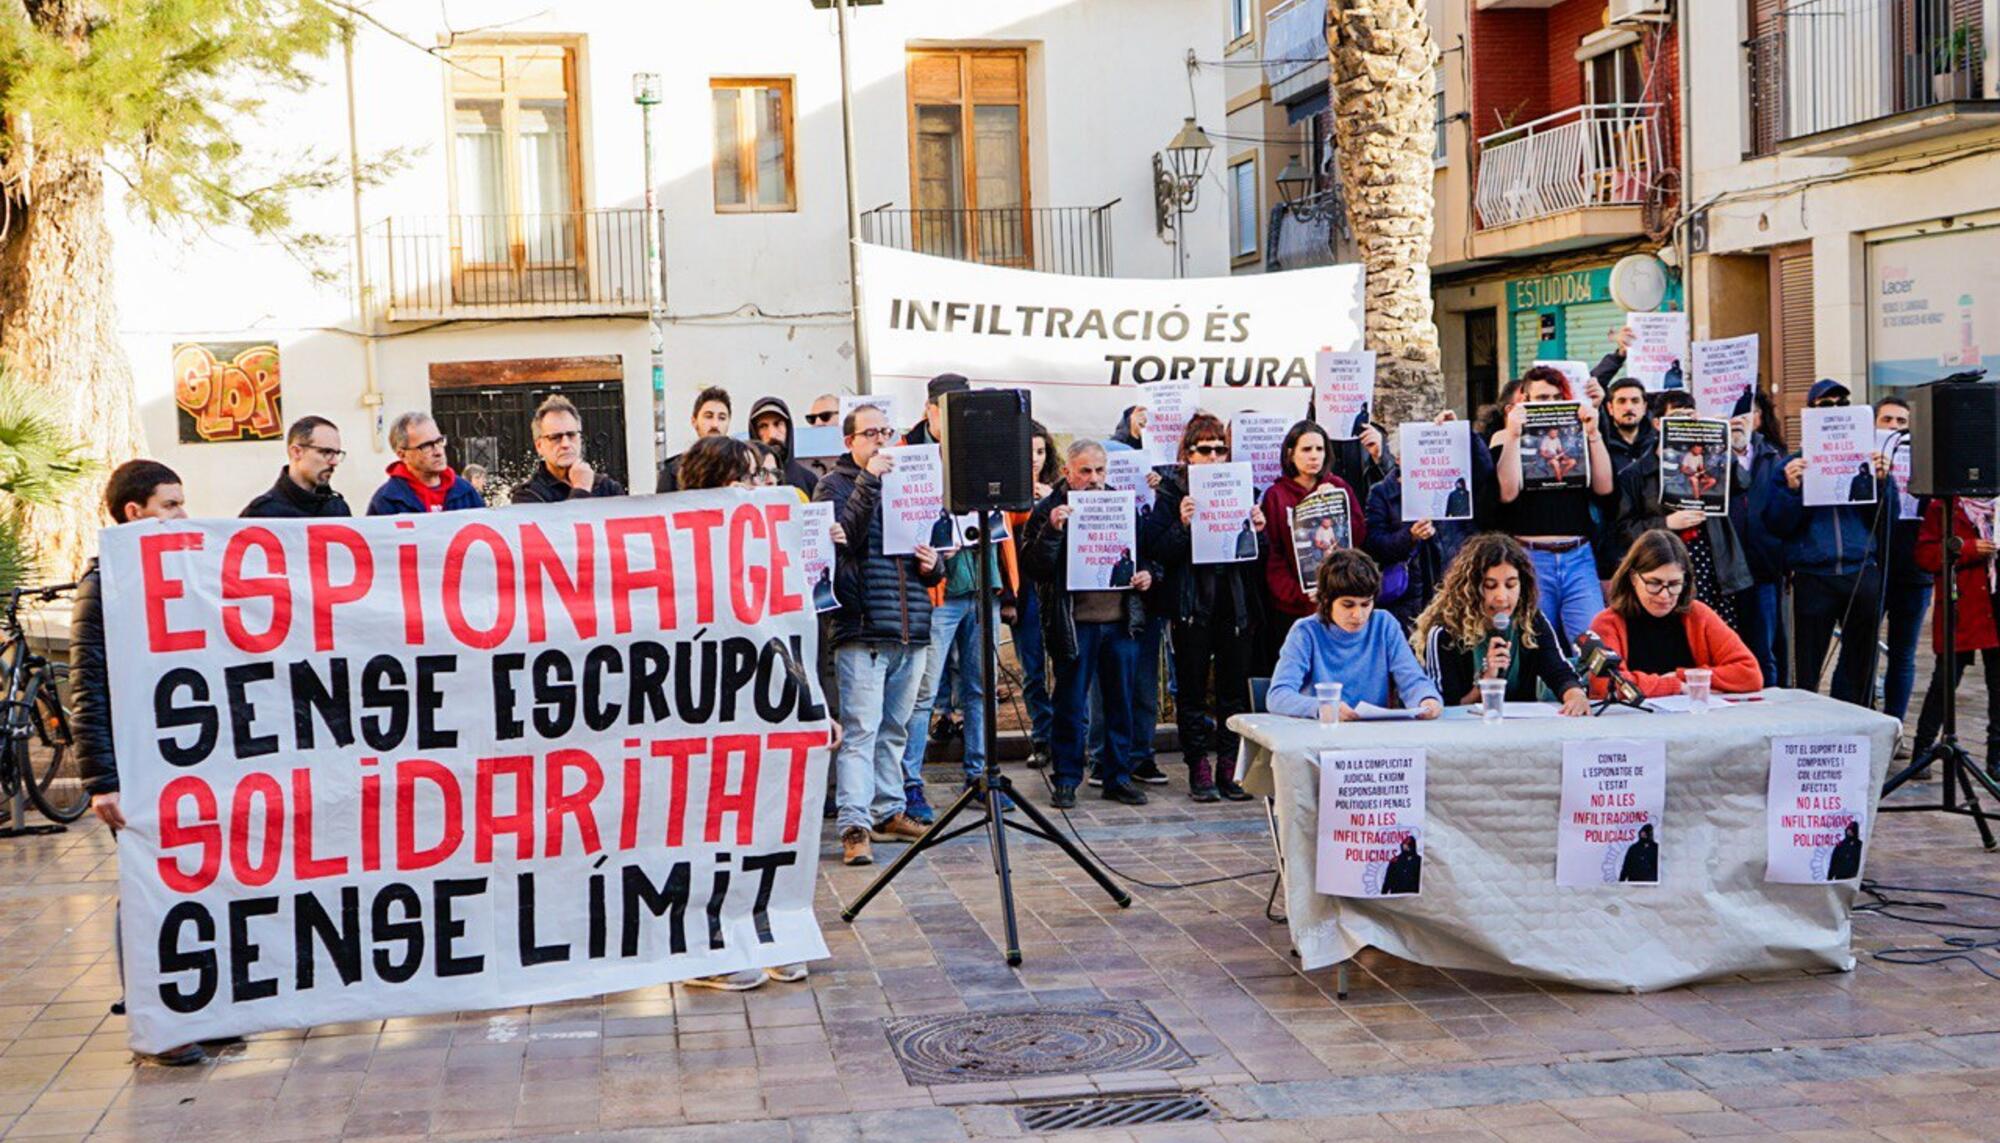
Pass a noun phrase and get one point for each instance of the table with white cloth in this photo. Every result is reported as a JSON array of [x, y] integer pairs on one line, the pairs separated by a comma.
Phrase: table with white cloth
[[1490, 902]]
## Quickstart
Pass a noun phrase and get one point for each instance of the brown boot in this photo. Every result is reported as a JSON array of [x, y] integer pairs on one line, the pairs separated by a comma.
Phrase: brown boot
[[1201, 779], [855, 848], [901, 827]]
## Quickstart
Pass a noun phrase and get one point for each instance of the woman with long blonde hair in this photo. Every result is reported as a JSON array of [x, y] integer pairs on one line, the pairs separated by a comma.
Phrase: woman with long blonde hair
[[1462, 639]]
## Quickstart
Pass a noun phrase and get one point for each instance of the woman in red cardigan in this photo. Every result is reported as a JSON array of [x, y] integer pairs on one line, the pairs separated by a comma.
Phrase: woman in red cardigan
[[1974, 628], [1661, 630]]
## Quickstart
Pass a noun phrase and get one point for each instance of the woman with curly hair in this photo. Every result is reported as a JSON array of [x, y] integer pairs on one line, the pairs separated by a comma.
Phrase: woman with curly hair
[[718, 462], [1460, 641]]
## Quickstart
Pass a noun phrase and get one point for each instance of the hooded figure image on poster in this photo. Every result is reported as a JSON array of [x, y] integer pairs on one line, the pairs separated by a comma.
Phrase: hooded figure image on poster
[[1458, 502], [1845, 863], [1406, 870], [1246, 541], [1121, 572], [1861, 490], [1360, 421], [823, 599], [944, 531], [1642, 859]]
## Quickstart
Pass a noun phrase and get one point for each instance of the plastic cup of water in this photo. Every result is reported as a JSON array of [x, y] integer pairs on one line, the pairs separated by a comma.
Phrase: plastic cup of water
[[1698, 680], [1328, 697], [1492, 699]]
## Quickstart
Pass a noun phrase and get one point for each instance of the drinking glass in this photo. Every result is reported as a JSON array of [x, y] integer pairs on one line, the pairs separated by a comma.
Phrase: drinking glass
[[1328, 696], [1698, 680], [1492, 699]]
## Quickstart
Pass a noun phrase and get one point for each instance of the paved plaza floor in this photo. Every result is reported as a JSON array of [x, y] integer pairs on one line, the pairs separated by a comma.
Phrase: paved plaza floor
[[1888, 1051]]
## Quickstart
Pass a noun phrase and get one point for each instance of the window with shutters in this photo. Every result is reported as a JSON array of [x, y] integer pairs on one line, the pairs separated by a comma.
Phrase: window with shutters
[[1792, 332], [1243, 213], [516, 180], [753, 145], [969, 154]]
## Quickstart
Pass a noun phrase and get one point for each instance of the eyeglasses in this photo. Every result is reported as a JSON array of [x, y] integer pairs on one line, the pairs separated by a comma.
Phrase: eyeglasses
[[563, 438], [765, 476], [1830, 403], [333, 454], [825, 418], [1662, 586], [437, 443], [881, 434], [1209, 450]]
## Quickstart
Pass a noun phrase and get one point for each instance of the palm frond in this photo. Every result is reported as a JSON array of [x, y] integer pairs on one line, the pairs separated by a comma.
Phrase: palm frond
[[40, 463]]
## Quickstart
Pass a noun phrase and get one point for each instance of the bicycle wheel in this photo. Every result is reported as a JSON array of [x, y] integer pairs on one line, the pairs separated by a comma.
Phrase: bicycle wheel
[[47, 764]]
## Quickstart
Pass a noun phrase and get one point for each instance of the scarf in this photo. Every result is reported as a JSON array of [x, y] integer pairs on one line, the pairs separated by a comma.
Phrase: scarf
[[1979, 513]]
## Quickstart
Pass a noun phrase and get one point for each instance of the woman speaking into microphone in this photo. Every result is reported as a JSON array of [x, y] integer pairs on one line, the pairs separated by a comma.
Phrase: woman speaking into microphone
[[1486, 622]]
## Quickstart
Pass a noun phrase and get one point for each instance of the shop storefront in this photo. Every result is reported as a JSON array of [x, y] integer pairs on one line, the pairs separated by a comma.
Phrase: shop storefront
[[1933, 306], [1560, 317]]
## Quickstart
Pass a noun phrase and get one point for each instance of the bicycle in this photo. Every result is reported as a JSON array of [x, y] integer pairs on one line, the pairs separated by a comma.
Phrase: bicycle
[[37, 763]]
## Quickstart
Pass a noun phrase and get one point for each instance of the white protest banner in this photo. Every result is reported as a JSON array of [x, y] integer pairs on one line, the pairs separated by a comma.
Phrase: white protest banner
[[1659, 349], [1101, 539], [460, 761], [1577, 372], [883, 401], [1168, 405], [1895, 444], [1222, 532], [1723, 371], [1258, 439], [1555, 452], [1839, 452], [913, 509], [1080, 344], [1371, 823], [1613, 795], [1818, 809], [1344, 391], [816, 552], [1125, 470], [1694, 465], [1437, 470]]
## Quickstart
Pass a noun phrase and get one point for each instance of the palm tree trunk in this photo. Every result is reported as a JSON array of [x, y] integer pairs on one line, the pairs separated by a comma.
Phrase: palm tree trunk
[[1381, 58]]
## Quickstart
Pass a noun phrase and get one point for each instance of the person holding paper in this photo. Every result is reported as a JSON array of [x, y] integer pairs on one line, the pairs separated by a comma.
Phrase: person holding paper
[[1555, 525], [1975, 632], [1347, 641], [1414, 556], [1908, 595], [1715, 548], [1303, 465], [1662, 631], [1757, 441], [824, 414], [1045, 461], [1486, 623]]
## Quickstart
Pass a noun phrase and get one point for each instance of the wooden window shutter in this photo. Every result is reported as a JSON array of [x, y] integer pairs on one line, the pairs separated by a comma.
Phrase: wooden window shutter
[[1792, 325]]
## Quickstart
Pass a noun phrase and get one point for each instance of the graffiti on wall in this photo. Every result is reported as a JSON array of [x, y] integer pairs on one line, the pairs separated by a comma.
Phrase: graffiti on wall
[[227, 391]]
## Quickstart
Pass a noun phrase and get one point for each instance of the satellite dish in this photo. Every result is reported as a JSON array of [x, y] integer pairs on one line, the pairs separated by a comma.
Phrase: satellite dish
[[1639, 283]]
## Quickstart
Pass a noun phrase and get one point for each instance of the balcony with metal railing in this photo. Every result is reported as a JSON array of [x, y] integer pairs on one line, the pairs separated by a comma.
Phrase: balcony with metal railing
[[1052, 239], [579, 263], [1295, 48], [1579, 176], [1847, 77]]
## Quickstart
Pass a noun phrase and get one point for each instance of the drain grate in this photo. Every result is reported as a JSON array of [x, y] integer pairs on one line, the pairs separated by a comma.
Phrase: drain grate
[[1119, 1036], [1084, 1114]]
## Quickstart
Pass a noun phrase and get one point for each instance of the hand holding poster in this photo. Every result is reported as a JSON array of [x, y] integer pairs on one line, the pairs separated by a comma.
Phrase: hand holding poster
[[1437, 470], [1126, 469], [1555, 453], [1818, 806], [1614, 794], [1723, 371], [1371, 822], [1168, 405], [1659, 349], [913, 509], [1344, 391], [1221, 531], [1839, 453], [1258, 438], [479, 759], [1320, 523], [1694, 465], [816, 552], [1101, 541]]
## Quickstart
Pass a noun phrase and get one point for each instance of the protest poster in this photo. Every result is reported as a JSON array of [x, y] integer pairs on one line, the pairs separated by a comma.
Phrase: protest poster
[[811, 442], [883, 401], [1079, 344], [1320, 523], [1576, 372], [1817, 807], [1659, 349], [1614, 794], [1101, 541], [1724, 370], [913, 510], [1555, 453], [470, 760], [816, 552], [1168, 405], [1437, 470], [1371, 823], [1344, 391], [1221, 531], [1694, 465], [1125, 470], [1258, 438], [1895, 444], [1839, 452]]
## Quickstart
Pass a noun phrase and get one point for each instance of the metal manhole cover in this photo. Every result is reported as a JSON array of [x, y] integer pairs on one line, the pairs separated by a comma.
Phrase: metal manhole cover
[[1093, 1114], [980, 1046]]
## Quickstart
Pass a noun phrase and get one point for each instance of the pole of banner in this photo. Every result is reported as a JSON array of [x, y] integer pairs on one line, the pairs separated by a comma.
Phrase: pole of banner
[[861, 373]]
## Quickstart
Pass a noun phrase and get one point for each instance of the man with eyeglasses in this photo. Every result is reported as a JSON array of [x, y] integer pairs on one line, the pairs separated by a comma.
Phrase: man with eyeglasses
[[304, 487], [563, 473], [421, 480]]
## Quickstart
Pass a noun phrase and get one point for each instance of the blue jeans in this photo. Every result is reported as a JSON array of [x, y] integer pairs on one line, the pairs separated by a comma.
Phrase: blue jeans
[[1145, 698], [1571, 594], [1108, 656], [954, 636], [1034, 659], [1757, 610], [878, 686], [1906, 607]]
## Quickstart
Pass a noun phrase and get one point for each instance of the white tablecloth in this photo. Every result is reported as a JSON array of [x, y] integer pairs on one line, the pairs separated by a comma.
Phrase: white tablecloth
[[1490, 901]]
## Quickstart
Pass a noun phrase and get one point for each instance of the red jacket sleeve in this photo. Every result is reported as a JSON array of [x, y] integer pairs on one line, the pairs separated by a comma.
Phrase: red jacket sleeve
[[1281, 571], [1733, 668]]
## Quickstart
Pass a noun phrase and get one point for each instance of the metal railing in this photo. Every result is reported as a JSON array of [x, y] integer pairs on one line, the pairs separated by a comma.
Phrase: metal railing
[[1595, 154], [1294, 39], [1310, 233], [1829, 64], [1052, 239], [580, 262]]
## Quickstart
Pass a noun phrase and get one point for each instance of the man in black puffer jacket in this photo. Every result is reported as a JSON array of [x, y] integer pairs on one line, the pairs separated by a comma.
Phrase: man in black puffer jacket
[[304, 488], [881, 636], [563, 474]]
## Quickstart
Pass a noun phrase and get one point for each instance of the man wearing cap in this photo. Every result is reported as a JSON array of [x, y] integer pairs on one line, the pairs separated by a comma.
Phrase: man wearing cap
[[771, 426]]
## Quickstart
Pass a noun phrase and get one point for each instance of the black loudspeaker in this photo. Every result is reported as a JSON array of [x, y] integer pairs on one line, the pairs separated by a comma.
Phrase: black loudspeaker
[[987, 444], [1955, 439]]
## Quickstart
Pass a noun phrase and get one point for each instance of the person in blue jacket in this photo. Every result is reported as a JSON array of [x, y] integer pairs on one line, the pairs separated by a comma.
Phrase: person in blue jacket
[[1347, 641]]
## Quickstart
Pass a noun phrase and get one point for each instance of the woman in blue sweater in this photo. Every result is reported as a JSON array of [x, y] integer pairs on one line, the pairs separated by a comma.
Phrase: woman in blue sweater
[[1347, 641]]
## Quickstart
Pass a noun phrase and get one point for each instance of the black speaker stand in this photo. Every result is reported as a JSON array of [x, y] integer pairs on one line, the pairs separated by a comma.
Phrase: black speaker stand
[[1961, 773], [989, 790]]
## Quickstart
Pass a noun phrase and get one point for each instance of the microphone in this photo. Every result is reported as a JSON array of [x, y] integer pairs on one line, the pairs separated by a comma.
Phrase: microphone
[[1594, 660], [1501, 623]]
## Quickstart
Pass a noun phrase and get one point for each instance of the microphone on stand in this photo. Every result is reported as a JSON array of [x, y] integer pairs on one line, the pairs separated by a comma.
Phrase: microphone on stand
[[1594, 660]]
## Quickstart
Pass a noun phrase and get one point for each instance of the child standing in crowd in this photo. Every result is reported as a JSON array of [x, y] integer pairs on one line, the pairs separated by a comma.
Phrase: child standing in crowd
[[1347, 641]]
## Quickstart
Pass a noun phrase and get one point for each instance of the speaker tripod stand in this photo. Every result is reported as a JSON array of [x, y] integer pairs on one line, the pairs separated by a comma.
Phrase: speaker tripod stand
[[1960, 772], [990, 791]]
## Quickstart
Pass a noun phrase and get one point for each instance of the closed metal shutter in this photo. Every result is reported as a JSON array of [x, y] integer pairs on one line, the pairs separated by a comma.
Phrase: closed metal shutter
[[1792, 332]]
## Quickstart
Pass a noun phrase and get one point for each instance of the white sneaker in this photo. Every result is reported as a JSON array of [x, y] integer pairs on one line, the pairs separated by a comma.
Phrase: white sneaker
[[787, 973], [743, 981]]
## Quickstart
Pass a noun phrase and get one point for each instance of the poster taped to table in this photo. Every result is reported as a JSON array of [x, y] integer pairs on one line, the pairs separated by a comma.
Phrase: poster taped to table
[[472, 778], [1555, 453], [1258, 439], [1168, 405], [1895, 444], [1371, 822], [1344, 391], [1437, 470], [816, 552], [1614, 794], [1839, 452], [883, 401], [1659, 349], [1577, 373], [1221, 531], [1125, 470], [913, 509], [1818, 806], [1694, 465], [1320, 523], [1724, 371], [1100, 535]]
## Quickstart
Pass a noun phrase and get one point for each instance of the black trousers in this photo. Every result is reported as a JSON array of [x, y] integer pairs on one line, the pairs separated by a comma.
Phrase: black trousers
[[1202, 713], [1930, 719], [1818, 606]]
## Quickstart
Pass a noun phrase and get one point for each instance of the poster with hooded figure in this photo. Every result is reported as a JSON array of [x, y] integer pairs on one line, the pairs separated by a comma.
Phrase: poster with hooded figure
[[1371, 823], [1817, 808], [1614, 795]]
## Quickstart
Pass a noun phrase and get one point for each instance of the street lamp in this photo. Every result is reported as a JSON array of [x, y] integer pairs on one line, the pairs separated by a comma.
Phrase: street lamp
[[1301, 201], [1177, 174], [646, 93]]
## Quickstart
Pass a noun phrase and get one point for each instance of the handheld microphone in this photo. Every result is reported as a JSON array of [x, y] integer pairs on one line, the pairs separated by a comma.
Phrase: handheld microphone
[[1501, 623]]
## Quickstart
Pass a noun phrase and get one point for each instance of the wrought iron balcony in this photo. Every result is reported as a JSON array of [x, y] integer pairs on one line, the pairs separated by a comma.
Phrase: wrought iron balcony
[[1055, 240], [1595, 154], [583, 263]]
